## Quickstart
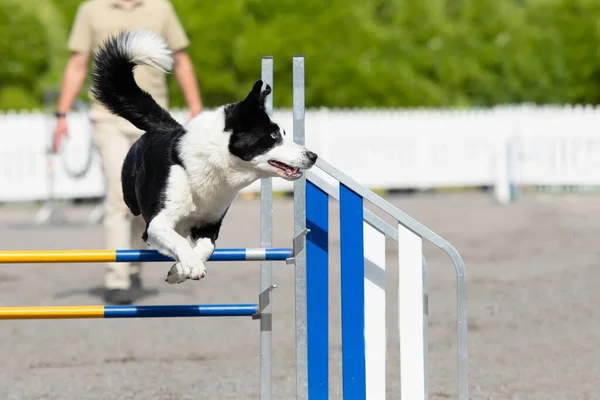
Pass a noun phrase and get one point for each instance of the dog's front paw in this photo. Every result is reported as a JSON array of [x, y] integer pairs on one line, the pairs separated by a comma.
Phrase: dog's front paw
[[176, 274], [198, 272], [179, 274]]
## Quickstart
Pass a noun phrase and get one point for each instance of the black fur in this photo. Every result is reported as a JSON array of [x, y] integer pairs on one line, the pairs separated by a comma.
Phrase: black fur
[[252, 133], [146, 167], [114, 86], [210, 230], [145, 172]]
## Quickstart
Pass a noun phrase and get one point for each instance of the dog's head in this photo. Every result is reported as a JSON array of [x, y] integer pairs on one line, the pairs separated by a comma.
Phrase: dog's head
[[258, 140]]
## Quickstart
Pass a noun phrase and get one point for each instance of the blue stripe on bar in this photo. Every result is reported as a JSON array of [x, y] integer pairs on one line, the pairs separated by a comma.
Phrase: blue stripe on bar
[[317, 291], [187, 310], [225, 254], [352, 294]]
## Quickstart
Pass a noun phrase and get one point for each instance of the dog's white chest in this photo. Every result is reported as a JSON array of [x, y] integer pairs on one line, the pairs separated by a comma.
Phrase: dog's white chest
[[196, 198]]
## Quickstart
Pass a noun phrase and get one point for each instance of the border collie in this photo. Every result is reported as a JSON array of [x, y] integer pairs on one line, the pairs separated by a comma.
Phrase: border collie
[[183, 179]]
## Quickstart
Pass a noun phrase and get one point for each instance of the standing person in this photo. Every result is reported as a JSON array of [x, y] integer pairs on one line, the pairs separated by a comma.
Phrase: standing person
[[95, 20]]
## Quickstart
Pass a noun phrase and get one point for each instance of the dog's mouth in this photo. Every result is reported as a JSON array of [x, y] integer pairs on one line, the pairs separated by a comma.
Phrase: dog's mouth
[[285, 170]]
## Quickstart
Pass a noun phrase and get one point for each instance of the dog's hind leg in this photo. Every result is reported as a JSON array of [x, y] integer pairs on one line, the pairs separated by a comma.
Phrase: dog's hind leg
[[163, 237]]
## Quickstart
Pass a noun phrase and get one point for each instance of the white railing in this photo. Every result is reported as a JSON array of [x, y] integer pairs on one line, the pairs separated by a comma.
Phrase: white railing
[[381, 149]]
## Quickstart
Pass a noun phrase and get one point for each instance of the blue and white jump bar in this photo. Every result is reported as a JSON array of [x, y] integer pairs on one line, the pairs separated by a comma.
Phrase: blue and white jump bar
[[91, 256]]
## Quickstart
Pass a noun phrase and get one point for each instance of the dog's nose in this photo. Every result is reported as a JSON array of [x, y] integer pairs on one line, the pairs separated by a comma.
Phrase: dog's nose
[[311, 156]]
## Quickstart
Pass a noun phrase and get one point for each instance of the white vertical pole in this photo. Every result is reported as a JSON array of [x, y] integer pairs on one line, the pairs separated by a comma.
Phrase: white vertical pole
[[266, 240], [299, 226], [410, 308], [512, 158], [425, 326], [375, 334], [502, 183]]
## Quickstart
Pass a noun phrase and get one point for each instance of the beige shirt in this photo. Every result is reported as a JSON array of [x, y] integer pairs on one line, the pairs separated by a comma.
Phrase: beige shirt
[[98, 19]]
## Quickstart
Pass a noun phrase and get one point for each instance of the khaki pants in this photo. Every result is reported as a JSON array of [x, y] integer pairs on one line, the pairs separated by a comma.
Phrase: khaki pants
[[121, 229]]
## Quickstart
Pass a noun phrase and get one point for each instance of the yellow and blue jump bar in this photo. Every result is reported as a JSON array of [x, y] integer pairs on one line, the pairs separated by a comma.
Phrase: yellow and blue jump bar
[[131, 311], [91, 256]]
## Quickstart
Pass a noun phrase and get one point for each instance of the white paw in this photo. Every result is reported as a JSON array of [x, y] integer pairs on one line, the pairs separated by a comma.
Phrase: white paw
[[176, 274], [197, 272]]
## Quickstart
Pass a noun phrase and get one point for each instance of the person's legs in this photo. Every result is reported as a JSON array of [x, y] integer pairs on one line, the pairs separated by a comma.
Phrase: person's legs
[[112, 144], [137, 229]]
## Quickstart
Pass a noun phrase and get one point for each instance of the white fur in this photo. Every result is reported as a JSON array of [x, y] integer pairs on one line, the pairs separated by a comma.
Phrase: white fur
[[163, 237], [289, 152], [144, 47], [205, 155]]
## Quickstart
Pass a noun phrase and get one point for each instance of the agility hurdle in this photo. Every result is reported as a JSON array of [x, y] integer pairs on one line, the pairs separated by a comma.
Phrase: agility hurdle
[[149, 311], [363, 262]]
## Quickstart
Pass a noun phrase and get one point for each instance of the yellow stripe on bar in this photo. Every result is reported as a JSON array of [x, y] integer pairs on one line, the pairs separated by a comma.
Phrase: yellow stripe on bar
[[56, 256], [51, 312]]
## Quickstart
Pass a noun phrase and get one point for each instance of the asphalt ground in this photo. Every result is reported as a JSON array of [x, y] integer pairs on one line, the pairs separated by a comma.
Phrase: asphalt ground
[[534, 323]]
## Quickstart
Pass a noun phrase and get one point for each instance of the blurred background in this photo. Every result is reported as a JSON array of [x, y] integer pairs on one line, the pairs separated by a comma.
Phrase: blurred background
[[378, 53], [458, 93], [477, 117]]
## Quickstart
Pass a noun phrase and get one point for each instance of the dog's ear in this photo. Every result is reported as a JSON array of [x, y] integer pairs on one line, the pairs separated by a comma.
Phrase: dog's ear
[[257, 96], [265, 93], [256, 88]]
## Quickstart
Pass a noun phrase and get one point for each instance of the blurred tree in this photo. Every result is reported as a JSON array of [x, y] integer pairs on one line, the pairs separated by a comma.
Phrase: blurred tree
[[359, 53], [26, 56], [55, 31], [497, 52], [573, 34], [214, 28]]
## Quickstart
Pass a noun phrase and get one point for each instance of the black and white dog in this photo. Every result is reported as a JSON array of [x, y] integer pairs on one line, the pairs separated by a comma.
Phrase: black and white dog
[[183, 179]]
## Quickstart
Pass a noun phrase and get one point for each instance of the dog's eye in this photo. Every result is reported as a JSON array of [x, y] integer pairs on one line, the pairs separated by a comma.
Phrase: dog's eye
[[274, 135]]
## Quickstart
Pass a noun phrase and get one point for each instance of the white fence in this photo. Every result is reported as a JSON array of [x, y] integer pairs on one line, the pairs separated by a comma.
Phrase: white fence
[[382, 149]]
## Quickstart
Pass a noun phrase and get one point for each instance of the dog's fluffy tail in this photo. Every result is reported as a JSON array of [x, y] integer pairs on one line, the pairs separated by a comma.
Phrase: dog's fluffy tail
[[113, 83]]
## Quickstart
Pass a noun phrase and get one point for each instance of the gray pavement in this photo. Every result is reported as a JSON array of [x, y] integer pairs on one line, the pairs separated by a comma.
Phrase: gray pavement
[[533, 315]]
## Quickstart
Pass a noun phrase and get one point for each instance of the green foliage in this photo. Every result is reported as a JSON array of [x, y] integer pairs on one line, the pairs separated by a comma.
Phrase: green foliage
[[574, 37], [24, 50], [16, 98], [359, 53]]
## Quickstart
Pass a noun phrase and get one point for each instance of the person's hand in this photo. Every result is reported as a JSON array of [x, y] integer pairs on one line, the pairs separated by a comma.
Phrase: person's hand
[[61, 131]]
